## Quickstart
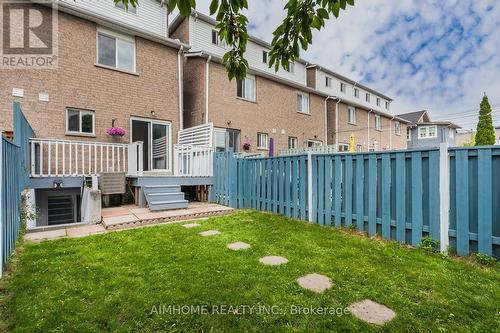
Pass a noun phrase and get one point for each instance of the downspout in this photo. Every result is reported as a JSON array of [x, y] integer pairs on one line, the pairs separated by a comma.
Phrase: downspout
[[326, 119], [207, 69], [181, 88], [390, 133], [368, 142], [337, 124]]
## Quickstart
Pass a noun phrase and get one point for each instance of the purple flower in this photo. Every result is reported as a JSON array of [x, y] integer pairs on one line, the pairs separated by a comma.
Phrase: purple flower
[[115, 131]]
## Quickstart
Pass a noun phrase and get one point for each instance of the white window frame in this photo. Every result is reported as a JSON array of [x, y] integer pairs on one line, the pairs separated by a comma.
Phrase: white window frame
[[356, 92], [427, 132], [315, 143], [304, 105], [243, 88], [352, 118], [262, 138], [116, 36], [368, 98], [378, 122], [397, 128], [451, 133], [408, 134], [294, 140], [291, 68], [328, 82], [81, 112], [343, 147], [131, 9], [218, 42], [378, 101], [343, 87], [387, 105]]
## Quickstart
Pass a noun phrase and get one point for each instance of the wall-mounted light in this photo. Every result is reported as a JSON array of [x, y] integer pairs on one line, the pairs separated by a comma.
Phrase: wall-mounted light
[[153, 113], [229, 123], [113, 121]]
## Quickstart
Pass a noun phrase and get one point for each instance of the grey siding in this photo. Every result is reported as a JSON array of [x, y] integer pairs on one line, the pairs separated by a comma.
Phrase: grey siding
[[442, 136]]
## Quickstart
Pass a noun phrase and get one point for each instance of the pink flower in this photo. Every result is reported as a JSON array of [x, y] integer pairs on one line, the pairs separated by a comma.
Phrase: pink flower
[[115, 131]]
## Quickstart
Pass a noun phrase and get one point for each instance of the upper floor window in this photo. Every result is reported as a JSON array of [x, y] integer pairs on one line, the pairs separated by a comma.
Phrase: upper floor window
[[79, 122], [426, 132], [302, 102], [328, 81], [246, 88], [368, 97], [451, 133], [291, 67], [130, 9], [116, 51], [378, 123], [351, 115], [262, 141], [292, 142], [216, 39], [387, 105], [264, 57], [378, 101], [342, 87], [397, 128], [356, 92], [408, 134]]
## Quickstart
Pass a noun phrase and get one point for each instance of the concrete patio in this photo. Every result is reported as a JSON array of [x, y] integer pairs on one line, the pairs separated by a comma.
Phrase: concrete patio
[[130, 216]]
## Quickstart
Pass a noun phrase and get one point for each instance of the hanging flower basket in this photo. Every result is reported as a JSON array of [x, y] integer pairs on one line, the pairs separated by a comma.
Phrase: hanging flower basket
[[246, 144], [116, 132]]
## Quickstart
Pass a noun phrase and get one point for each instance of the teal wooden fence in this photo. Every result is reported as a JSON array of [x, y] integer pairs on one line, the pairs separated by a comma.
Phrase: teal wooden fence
[[393, 194], [14, 176]]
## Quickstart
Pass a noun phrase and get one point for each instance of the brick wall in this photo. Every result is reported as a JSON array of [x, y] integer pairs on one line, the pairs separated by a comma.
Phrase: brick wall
[[360, 130], [79, 83], [274, 111]]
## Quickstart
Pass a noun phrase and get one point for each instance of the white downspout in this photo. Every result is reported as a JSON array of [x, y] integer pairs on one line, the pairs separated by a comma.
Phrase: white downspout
[[368, 142], [337, 124], [207, 69], [181, 88], [390, 133], [326, 120]]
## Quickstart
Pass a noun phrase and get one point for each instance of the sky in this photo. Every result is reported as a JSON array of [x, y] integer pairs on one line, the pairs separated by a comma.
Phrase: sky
[[435, 55]]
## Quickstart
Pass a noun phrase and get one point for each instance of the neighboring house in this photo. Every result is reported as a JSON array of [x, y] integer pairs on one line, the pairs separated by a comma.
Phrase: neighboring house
[[276, 110], [423, 133], [114, 67], [497, 135], [464, 137]]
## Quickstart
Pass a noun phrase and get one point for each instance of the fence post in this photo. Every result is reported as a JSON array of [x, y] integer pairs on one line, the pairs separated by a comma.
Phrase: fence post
[[309, 187], [1, 204], [444, 196]]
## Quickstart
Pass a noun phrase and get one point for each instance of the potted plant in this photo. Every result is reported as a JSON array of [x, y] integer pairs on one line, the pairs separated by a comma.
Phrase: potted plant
[[115, 131], [246, 144]]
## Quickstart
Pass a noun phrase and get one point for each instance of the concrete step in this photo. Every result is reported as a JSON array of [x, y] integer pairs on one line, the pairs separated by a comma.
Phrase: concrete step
[[155, 206]]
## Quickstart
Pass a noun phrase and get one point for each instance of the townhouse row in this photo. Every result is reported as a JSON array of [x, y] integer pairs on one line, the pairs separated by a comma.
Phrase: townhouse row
[[132, 69]]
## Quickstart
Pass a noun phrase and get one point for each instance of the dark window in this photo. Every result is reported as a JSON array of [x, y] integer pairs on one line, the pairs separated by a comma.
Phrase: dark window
[[239, 88], [264, 57], [215, 37]]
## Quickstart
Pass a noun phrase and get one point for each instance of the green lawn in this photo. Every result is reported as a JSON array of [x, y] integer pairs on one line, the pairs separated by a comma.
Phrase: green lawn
[[114, 282]]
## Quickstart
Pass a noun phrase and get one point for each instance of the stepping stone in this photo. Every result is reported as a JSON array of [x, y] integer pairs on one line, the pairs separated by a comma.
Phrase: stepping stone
[[210, 233], [273, 260], [191, 225], [315, 282], [238, 246], [372, 312]]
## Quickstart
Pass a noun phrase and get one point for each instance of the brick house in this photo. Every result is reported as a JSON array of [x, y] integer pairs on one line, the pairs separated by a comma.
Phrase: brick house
[[272, 110]]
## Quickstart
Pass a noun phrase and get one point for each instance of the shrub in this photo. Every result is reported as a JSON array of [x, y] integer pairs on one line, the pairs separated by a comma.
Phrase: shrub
[[429, 245]]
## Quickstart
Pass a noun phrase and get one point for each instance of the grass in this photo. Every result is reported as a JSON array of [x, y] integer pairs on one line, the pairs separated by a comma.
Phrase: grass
[[117, 282]]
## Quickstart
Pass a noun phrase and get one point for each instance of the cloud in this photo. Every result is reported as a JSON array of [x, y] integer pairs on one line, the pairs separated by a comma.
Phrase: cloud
[[428, 54]]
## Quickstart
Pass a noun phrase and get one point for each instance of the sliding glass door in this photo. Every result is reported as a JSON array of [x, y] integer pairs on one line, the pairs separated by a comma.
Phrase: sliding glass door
[[156, 138]]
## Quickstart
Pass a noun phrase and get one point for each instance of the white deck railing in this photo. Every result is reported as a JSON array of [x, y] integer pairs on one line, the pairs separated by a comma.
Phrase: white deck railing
[[65, 158], [300, 151], [201, 135], [193, 161]]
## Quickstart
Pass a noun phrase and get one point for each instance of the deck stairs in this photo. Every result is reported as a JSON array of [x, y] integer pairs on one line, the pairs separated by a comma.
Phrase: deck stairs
[[164, 197]]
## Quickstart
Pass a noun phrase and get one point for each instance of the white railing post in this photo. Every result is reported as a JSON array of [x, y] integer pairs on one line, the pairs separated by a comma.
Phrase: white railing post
[[140, 152], [309, 187], [444, 196]]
